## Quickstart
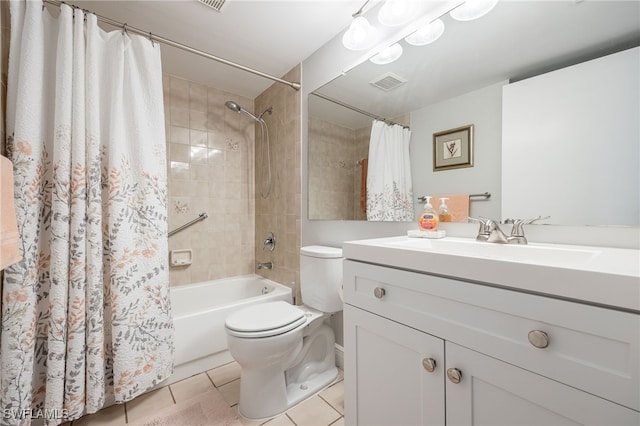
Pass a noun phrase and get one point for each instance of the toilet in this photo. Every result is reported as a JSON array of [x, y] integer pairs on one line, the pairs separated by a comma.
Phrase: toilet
[[287, 352]]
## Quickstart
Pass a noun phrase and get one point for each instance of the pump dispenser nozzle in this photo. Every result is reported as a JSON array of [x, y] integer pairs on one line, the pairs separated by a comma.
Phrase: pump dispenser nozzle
[[427, 204], [443, 210]]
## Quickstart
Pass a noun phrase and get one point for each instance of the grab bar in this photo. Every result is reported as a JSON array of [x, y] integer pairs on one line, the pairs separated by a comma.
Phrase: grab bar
[[201, 216], [485, 195]]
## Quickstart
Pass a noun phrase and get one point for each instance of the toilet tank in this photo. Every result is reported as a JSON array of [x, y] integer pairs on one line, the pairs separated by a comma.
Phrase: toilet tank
[[321, 277]]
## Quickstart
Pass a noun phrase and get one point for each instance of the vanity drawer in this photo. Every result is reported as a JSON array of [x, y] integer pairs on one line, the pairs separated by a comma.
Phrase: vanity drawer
[[588, 347]]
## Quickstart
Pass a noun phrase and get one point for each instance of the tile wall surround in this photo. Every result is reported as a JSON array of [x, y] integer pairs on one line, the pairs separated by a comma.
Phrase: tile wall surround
[[280, 211], [335, 172], [210, 169]]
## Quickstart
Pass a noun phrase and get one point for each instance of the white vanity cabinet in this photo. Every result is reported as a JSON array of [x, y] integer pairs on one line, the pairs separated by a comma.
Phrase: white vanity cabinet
[[398, 369], [499, 357]]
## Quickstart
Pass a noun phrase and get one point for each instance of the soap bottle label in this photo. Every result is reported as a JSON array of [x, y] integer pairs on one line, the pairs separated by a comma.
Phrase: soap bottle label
[[428, 222]]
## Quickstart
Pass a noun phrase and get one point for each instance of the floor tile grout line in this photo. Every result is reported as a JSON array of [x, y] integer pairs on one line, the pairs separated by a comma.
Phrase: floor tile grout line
[[172, 395], [126, 414], [289, 417], [211, 380], [330, 405]]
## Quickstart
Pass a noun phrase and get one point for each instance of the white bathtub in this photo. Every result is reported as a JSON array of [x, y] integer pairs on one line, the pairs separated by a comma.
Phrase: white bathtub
[[199, 312]]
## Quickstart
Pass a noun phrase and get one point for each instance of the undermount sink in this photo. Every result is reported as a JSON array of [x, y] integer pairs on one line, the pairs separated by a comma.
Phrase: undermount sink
[[531, 253]]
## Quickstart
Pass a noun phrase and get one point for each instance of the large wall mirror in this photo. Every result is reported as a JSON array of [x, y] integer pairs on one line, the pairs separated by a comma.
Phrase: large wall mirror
[[459, 80]]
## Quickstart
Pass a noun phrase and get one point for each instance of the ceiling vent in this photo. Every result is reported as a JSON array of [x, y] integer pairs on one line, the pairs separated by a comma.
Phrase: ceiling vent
[[214, 4], [388, 81]]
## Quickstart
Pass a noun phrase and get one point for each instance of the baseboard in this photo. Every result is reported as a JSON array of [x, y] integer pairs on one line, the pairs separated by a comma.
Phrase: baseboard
[[339, 357]]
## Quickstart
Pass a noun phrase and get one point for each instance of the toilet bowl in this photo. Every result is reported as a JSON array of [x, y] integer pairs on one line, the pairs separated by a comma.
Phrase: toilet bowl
[[287, 352]]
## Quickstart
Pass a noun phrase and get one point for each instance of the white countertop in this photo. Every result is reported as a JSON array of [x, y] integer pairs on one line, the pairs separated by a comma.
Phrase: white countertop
[[596, 275]]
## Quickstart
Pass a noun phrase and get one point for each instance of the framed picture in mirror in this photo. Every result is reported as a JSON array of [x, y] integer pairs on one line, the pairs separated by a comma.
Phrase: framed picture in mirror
[[453, 149]]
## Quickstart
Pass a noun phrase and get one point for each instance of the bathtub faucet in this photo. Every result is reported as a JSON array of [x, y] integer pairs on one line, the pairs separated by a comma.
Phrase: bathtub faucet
[[264, 265]]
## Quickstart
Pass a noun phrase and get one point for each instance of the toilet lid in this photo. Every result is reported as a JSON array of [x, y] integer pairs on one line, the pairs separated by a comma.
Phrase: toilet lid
[[264, 318]]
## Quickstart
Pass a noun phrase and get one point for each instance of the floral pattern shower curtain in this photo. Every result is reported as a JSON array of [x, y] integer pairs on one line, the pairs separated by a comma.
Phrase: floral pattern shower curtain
[[389, 185], [85, 315]]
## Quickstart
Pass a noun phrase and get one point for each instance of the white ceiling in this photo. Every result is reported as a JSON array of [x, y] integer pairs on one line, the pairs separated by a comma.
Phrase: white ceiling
[[272, 36]]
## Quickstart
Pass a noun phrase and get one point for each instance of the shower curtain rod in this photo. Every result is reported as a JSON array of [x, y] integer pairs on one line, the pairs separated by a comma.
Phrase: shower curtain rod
[[168, 42], [361, 111]]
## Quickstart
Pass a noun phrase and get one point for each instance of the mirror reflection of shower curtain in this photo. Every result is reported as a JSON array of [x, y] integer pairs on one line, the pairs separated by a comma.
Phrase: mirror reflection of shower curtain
[[86, 317], [389, 186]]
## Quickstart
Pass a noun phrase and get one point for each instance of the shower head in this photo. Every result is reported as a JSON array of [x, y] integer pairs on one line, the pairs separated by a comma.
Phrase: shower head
[[233, 106]]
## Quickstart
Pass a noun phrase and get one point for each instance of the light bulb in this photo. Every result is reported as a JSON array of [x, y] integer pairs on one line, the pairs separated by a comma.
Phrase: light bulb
[[396, 12], [387, 55], [472, 9], [360, 34], [426, 34]]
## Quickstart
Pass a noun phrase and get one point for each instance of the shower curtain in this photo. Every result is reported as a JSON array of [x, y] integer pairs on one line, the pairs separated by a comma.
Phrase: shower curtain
[[389, 187], [85, 315]]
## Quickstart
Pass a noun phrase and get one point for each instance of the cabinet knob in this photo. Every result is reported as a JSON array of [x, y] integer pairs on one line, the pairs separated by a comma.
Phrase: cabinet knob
[[429, 364], [539, 339], [379, 292], [454, 375]]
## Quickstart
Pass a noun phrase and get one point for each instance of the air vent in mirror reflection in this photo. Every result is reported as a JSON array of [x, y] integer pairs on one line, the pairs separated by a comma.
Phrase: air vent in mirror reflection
[[388, 81]]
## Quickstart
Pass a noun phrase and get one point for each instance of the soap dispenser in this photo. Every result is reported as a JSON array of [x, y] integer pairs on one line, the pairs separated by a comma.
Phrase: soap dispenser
[[443, 211], [428, 219]]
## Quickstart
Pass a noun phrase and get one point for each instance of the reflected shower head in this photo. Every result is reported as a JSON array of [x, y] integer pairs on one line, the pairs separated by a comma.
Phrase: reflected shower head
[[233, 106]]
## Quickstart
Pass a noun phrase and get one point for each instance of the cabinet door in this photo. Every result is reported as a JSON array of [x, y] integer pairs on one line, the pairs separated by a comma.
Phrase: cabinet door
[[492, 392], [387, 381]]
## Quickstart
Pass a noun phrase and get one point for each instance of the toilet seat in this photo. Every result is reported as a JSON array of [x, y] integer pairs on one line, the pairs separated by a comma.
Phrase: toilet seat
[[265, 320]]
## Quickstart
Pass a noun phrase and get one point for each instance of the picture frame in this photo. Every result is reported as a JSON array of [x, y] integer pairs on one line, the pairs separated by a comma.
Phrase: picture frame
[[453, 149]]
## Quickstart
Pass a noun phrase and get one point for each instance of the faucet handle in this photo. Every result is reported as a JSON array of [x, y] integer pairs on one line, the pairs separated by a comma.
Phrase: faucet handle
[[483, 231], [518, 225], [479, 219], [269, 243]]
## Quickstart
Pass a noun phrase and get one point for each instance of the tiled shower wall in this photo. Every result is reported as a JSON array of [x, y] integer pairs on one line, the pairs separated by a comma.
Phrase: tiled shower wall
[[335, 170], [210, 169], [280, 211]]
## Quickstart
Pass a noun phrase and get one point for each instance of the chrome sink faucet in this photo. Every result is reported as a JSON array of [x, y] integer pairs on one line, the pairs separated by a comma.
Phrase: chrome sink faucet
[[495, 233], [490, 231]]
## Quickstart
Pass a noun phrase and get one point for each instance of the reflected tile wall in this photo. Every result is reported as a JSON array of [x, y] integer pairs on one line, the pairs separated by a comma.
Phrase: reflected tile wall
[[280, 211], [210, 169], [334, 175]]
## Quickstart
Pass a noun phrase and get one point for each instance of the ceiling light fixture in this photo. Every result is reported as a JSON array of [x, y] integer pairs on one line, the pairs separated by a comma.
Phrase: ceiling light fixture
[[472, 9], [396, 12], [426, 33], [361, 34], [387, 55]]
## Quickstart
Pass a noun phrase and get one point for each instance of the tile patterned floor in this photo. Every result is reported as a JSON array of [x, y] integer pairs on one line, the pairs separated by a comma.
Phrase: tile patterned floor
[[323, 409]]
